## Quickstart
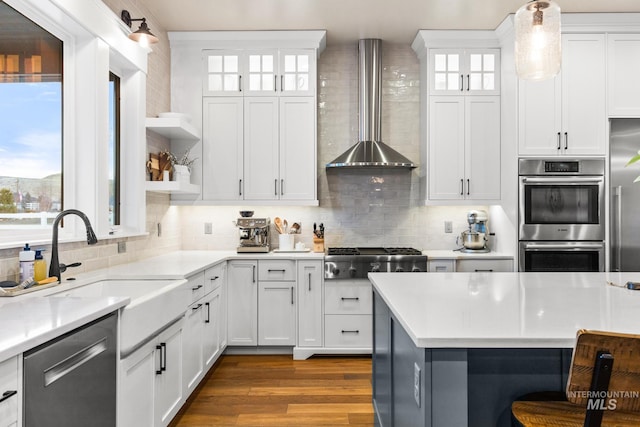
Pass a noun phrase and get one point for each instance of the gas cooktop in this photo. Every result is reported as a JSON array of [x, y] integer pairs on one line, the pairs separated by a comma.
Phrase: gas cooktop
[[373, 251], [357, 262]]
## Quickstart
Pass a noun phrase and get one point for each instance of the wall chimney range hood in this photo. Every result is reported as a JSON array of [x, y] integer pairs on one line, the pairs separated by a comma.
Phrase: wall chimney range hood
[[370, 151]]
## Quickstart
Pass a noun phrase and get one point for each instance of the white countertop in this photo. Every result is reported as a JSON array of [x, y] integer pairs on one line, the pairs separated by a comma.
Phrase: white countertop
[[452, 254], [29, 322], [32, 319], [508, 310]]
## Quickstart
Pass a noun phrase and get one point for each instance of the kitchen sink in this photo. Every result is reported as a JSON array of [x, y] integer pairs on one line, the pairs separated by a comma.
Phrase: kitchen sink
[[154, 304]]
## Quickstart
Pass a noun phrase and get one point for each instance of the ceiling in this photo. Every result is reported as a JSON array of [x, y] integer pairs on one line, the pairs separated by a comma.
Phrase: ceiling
[[395, 21]]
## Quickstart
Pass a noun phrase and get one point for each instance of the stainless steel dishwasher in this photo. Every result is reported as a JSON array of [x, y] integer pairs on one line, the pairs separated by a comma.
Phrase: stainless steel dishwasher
[[71, 380]]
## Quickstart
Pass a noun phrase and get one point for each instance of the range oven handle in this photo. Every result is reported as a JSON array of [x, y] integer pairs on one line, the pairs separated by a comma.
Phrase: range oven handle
[[564, 181], [573, 245]]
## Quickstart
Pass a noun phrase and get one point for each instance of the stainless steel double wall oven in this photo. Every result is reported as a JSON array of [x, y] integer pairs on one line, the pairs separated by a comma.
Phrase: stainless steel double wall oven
[[561, 214]]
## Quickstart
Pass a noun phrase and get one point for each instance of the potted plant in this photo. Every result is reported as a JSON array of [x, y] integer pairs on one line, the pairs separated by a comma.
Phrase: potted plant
[[181, 165]]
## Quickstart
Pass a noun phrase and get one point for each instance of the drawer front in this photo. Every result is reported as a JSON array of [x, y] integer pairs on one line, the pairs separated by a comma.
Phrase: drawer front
[[348, 331], [213, 278], [488, 265], [441, 266], [354, 297], [196, 287], [282, 270], [9, 384]]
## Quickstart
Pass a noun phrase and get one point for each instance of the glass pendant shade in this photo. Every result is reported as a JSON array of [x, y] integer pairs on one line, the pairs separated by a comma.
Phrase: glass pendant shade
[[538, 52], [143, 35]]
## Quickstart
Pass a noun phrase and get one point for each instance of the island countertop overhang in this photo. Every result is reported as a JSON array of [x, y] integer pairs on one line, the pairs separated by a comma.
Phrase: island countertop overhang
[[507, 310]]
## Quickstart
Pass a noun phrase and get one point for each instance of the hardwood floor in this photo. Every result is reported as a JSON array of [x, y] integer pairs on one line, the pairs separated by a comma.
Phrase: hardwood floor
[[280, 391]]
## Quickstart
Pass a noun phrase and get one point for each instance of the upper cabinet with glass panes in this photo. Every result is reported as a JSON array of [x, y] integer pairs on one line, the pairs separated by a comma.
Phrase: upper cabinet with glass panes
[[464, 72], [266, 72]]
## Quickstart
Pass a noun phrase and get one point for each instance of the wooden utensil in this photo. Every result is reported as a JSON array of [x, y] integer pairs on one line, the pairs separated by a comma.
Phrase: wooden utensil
[[277, 222]]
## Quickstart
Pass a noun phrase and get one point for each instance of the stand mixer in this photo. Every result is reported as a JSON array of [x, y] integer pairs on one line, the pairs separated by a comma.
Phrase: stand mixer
[[475, 239]]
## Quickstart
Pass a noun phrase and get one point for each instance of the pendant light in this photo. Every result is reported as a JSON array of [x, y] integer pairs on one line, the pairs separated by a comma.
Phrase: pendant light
[[538, 52]]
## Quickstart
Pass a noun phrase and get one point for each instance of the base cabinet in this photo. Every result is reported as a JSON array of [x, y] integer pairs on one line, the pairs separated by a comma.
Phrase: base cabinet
[[242, 321], [151, 391], [347, 314], [310, 285], [10, 399]]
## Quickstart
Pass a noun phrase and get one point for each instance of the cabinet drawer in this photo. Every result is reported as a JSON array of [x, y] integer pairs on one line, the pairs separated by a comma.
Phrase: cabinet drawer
[[347, 330], [213, 278], [277, 270], [488, 265], [9, 384], [353, 297], [196, 287], [441, 265]]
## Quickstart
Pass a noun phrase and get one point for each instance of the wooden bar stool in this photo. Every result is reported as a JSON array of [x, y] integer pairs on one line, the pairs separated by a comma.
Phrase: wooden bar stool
[[603, 387]]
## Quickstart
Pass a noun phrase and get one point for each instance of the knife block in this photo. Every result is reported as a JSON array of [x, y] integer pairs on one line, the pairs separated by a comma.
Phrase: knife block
[[318, 244]]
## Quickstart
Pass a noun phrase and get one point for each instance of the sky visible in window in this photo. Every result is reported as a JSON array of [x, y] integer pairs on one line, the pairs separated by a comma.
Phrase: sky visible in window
[[30, 129]]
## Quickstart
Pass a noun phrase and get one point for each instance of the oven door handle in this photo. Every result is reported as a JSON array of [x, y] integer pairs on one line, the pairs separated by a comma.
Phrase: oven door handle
[[573, 245], [565, 181]]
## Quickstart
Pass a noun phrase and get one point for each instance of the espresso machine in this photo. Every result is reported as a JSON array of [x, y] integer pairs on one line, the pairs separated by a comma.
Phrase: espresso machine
[[254, 234], [476, 237]]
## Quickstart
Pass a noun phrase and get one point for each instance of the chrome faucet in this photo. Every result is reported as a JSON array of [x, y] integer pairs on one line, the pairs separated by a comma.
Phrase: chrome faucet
[[56, 269]]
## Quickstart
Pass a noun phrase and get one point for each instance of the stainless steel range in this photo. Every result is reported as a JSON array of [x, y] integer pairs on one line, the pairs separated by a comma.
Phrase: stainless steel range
[[356, 263]]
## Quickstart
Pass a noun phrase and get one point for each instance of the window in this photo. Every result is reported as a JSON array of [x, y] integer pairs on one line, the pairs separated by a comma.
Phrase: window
[[114, 149], [30, 122]]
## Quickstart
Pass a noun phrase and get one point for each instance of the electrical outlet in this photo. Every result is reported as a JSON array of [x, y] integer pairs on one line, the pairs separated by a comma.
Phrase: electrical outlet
[[448, 227], [122, 247], [208, 228], [416, 383]]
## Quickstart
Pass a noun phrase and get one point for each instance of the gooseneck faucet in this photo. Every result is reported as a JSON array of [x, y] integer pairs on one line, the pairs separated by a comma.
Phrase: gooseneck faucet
[[55, 269]]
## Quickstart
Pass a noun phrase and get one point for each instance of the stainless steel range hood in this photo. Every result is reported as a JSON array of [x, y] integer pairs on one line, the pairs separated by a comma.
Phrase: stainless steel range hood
[[370, 151]]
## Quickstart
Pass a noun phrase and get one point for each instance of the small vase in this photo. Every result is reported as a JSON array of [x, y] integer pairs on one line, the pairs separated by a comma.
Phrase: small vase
[[181, 174]]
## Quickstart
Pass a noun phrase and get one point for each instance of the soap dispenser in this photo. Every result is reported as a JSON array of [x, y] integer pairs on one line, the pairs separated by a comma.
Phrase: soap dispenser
[[27, 259], [39, 266]]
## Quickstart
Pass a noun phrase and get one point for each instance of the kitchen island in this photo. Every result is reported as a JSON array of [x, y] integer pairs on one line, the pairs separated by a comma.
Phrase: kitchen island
[[455, 349]]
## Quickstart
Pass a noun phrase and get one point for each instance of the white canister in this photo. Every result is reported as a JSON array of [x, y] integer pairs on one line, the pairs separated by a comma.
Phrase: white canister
[[286, 242]]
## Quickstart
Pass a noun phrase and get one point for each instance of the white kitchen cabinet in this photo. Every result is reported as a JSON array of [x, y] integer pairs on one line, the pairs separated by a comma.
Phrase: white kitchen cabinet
[[276, 313], [10, 400], [259, 72], [464, 148], [347, 314], [193, 364], [310, 316], [277, 302], [464, 71], [484, 265], [441, 265], [242, 300], [566, 115], [260, 148], [259, 123], [150, 390], [623, 81]]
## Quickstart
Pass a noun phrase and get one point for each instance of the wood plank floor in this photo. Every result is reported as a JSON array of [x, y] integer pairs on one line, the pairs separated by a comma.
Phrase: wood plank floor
[[279, 391]]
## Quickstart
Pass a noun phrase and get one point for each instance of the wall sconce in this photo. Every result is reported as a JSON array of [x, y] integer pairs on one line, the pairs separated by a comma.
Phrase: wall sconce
[[142, 35], [538, 52]]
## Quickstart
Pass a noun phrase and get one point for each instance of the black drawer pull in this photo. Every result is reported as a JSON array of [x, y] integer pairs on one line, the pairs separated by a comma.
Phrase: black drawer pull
[[8, 394], [214, 278], [196, 288], [272, 270], [159, 349], [350, 299], [351, 332], [208, 312], [487, 271], [197, 307]]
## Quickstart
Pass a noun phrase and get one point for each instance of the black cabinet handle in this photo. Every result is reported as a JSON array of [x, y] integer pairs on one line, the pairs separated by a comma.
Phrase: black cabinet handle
[[159, 349], [566, 140], [254, 274], [468, 83], [350, 299], [163, 367], [487, 271], [214, 278], [197, 307], [8, 394], [196, 288], [275, 187], [292, 296], [468, 186], [309, 282], [461, 82], [239, 187], [559, 141], [462, 187], [350, 332], [282, 187], [274, 270], [208, 312], [239, 83]]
